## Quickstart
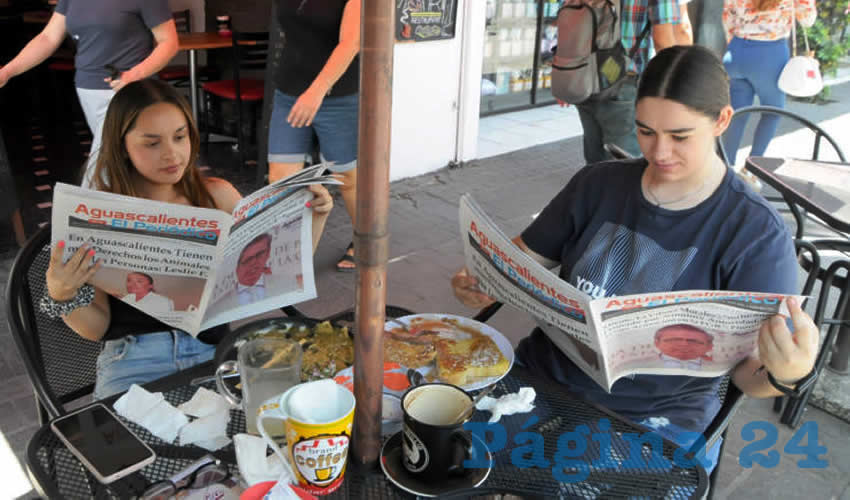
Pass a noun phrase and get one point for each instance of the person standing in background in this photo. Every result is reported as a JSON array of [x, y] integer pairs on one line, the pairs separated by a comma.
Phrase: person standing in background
[[317, 87], [613, 121], [683, 30], [757, 35], [137, 37]]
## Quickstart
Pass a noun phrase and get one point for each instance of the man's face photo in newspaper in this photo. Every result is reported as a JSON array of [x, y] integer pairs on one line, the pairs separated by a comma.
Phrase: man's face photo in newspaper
[[683, 342], [253, 262]]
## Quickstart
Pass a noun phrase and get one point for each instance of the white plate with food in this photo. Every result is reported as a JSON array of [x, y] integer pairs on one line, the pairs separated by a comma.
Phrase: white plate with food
[[449, 348]]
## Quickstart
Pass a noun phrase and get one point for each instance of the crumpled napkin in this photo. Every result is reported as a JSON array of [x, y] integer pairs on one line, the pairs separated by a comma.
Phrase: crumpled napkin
[[519, 402], [205, 402], [283, 490], [151, 411], [208, 432], [160, 418], [254, 466]]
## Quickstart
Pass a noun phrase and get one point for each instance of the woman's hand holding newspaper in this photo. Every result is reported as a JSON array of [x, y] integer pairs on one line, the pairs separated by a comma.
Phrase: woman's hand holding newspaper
[[65, 279], [788, 358], [322, 202], [467, 292]]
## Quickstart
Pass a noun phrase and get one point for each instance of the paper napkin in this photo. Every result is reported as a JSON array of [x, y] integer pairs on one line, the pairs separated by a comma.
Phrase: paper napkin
[[519, 402]]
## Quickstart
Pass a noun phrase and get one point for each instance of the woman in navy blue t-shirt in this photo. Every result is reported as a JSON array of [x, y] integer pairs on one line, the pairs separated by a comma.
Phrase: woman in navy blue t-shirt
[[677, 219]]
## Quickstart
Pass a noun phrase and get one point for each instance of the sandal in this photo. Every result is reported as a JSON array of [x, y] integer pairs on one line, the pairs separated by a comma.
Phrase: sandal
[[347, 257]]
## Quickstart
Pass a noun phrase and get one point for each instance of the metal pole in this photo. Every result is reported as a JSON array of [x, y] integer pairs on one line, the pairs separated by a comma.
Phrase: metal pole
[[371, 241], [193, 83]]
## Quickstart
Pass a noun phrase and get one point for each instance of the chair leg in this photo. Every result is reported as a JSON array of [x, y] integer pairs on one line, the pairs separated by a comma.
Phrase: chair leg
[[712, 478]]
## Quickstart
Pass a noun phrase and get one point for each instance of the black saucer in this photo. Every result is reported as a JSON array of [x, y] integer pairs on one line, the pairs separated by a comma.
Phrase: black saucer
[[394, 470]]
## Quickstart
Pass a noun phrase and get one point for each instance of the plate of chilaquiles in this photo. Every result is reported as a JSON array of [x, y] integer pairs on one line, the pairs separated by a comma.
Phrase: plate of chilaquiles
[[447, 348]]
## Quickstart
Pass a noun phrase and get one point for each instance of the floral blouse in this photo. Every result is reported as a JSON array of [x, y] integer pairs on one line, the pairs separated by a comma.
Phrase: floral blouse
[[742, 20]]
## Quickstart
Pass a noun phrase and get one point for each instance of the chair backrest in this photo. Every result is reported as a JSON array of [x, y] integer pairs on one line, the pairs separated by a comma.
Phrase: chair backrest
[[616, 152], [743, 113], [60, 363], [250, 52], [183, 20]]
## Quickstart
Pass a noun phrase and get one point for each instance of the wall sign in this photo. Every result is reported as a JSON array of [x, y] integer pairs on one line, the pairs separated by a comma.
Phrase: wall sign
[[424, 20]]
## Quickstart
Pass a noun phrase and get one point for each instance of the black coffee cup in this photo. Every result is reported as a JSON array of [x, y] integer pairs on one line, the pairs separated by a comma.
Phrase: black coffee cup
[[434, 444]]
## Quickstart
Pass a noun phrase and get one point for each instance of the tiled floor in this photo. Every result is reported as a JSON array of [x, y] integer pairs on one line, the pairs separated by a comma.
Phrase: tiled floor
[[501, 134]]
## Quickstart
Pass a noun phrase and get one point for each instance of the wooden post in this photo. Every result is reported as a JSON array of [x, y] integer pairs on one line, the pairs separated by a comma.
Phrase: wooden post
[[371, 243]]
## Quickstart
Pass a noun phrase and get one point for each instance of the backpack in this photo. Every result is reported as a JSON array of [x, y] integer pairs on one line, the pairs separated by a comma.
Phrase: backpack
[[590, 61]]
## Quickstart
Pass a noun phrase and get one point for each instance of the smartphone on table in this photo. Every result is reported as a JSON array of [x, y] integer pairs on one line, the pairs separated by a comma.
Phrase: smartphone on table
[[104, 445]]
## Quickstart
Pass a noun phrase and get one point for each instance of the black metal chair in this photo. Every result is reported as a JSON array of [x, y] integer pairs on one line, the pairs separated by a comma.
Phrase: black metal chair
[[250, 53], [839, 245], [793, 408], [60, 363], [820, 134], [616, 152]]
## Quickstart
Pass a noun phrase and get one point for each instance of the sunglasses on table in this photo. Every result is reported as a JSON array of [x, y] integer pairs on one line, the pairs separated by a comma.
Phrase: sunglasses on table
[[203, 472]]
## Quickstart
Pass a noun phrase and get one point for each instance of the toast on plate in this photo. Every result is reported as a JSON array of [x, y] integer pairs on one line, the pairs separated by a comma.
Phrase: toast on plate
[[461, 361], [409, 354]]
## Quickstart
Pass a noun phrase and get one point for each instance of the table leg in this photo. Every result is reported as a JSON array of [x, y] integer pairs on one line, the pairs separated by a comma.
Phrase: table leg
[[193, 83]]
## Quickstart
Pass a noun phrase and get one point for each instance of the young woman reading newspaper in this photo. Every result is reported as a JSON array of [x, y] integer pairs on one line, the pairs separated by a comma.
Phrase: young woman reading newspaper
[[677, 219], [150, 150]]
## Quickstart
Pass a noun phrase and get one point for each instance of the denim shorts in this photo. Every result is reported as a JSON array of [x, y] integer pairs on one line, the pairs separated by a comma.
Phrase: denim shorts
[[335, 124], [137, 359]]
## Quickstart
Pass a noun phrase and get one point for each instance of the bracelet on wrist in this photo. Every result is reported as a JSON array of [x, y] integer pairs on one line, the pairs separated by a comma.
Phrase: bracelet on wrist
[[794, 389], [55, 309]]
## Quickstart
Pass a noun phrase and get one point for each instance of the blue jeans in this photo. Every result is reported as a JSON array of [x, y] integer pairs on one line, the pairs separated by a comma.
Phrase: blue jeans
[[611, 121], [137, 359], [335, 125], [754, 67]]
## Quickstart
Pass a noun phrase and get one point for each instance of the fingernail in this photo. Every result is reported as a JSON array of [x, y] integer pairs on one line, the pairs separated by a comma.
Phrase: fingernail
[[792, 301], [91, 253], [308, 204], [61, 244]]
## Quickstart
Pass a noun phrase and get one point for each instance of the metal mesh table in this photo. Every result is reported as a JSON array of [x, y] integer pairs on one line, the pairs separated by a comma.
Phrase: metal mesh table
[[556, 413]]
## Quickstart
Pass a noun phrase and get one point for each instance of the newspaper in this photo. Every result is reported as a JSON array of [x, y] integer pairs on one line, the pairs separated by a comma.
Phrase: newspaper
[[702, 333], [194, 268]]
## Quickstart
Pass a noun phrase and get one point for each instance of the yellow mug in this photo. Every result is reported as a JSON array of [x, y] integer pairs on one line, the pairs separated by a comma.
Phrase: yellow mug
[[317, 419]]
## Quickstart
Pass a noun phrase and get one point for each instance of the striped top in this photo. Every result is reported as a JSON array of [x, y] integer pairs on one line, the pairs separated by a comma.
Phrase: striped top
[[742, 20], [633, 22]]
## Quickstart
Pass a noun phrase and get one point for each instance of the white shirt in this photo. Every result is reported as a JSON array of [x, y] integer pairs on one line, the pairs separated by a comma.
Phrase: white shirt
[[152, 302], [251, 294]]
